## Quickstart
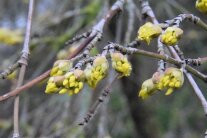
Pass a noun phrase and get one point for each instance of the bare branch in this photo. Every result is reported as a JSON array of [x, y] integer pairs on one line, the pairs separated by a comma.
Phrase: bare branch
[[98, 103], [23, 61], [8, 71], [115, 9]]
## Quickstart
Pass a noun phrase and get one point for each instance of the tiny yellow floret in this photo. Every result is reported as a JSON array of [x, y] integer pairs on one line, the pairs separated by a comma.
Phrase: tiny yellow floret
[[171, 36], [148, 88], [173, 78], [73, 82], [121, 64], [148, 31], [60, 67], [96, 72], [201, 5]]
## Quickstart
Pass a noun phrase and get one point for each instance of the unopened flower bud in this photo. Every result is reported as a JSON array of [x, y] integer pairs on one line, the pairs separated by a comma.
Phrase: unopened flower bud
[[171, 36], [52, 86], [121, 64], [148, 88], [201, 5], [60, 67], [173, 78], [73, 82], [96, 72], [149, 31]]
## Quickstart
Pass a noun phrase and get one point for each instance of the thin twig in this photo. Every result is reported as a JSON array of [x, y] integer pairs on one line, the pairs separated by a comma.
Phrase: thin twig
[[9, 70], [148, 12], [128, 50], [131, 9], [193, 84], [98, 103], [23, 61]]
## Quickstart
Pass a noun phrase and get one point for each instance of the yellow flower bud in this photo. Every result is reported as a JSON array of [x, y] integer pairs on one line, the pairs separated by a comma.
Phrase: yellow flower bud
[[12, 76], [63, 91], [171, 36], [73, 82], [62, 54], [97, 71], [148, 88], [51, 86], [201, 5], [121, 64], [169, 91], [173, 78], [54, 84], [149, 31], [60, 67]]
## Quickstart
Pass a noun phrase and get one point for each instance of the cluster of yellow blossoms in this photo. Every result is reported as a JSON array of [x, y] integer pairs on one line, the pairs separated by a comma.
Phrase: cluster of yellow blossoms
[[149, 31], [171, 36], [201, 5], [61, 81], [171, 79], [96, 72], [121, 64], [71, 83]]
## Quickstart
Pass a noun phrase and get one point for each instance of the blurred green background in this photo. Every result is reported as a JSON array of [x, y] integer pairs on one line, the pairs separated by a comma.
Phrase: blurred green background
[[123, 115]]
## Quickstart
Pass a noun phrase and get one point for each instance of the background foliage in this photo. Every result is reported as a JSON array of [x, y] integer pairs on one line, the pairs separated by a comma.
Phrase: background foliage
[[124, 114]]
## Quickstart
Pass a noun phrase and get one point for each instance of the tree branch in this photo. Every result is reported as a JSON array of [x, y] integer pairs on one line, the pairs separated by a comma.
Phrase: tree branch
[[23, 62], [115, 9], [98, 102], [178, 20]]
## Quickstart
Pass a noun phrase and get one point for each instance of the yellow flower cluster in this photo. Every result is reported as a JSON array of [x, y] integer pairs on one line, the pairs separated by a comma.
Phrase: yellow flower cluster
[[97, 71], [201, 5], [54, 84], [10, 37], [171, 36], [121, 64], [148, 88], [60, 67], [73, 82], [173, 78], [149, 31]]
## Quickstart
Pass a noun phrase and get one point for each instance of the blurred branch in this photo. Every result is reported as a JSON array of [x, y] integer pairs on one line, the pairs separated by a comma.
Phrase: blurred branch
[[66, 16], [131, 9], [23, 62], [188, 17], [9, 70], [176, 5]]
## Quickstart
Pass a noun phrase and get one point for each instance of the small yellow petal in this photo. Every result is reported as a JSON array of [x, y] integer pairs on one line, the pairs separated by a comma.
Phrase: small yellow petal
[[169, 91]]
